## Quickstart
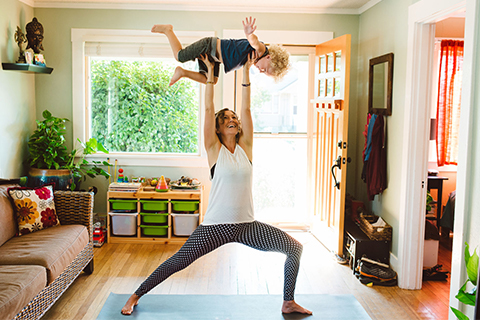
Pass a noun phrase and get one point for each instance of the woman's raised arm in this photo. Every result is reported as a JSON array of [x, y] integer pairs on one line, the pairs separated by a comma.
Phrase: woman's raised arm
[[246, 138], [212, 143]]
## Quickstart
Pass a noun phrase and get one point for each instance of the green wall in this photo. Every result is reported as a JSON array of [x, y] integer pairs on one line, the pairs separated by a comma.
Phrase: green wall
[[17, 93], [55, 92], [383, 29]]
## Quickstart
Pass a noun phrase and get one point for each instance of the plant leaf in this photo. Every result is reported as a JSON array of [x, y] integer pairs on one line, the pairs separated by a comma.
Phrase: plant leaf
[[467, 253], [472, 267], [459, 314], [466, 298]]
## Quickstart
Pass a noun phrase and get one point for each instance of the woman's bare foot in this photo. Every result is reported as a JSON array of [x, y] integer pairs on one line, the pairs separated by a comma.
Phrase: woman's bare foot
[[131, 303], [293, 307], [162, 28], [177, 75]]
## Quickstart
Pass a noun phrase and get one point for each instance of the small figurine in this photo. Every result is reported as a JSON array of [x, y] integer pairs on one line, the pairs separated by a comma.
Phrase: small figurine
[[34, 35], [19, 39]]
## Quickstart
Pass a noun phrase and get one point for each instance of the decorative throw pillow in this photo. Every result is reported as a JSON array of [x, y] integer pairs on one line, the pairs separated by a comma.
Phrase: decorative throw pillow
[[34, 208]]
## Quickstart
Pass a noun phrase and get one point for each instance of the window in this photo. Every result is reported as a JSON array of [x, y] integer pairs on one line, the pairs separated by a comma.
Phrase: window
[[133, 109], [122, 97]]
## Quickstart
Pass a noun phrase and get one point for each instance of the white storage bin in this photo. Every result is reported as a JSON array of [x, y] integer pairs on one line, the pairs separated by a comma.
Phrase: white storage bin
[[184, 223], [430, 253], [124, 224]]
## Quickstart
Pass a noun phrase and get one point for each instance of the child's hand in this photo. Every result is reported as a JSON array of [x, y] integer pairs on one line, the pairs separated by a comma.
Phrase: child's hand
[[249, 26]]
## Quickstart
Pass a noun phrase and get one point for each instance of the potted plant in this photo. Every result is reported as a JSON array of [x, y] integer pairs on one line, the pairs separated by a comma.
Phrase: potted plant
[[50, 161], [464, 296]]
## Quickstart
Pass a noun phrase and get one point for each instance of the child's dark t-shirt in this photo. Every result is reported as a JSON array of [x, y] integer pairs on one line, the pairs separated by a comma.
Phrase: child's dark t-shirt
[[235, 53]]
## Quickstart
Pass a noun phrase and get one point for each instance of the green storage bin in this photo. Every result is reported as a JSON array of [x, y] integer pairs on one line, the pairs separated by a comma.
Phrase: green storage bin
[[148, 217], [123, 204], [158, 231], [154, 205], [184, 206]]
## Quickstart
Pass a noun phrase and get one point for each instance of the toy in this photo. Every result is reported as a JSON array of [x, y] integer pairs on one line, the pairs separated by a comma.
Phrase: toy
[[162, 185], [99, 234], [120, 175]]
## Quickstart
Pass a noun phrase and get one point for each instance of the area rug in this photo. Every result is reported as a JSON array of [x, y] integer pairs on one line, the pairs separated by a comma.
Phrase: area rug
[[232, 307]]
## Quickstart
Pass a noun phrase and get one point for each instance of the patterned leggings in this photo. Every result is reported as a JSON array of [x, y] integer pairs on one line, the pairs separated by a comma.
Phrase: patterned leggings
[[207, 238]]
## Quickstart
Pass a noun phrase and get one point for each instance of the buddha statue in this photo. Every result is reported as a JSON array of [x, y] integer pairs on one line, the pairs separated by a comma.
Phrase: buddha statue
[[34, 35]]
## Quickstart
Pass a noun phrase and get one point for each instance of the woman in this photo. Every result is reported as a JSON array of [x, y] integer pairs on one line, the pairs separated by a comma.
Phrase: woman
[[229, 216]]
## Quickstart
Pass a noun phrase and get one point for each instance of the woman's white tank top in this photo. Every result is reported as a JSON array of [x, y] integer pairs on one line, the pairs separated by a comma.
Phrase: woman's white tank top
[[230, 199]]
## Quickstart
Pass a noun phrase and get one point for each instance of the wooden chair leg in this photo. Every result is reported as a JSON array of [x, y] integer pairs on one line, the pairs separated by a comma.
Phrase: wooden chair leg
[[89, 267]]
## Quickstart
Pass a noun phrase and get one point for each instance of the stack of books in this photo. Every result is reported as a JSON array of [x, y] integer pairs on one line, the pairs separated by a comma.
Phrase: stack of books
[[125, 186]]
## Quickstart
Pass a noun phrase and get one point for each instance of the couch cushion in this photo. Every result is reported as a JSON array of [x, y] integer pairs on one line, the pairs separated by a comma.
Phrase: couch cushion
[[8, 225], [34, 208], [52, 248], [18, 286]]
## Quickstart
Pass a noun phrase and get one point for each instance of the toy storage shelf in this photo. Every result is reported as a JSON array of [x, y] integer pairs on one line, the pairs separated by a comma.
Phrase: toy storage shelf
[[150, 228]]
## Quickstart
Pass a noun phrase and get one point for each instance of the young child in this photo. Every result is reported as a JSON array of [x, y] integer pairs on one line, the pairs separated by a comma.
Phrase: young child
[[233, 53]]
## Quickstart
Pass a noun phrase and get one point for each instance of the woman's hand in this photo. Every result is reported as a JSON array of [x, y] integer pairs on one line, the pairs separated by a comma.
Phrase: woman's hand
[[249, 26], [210, 65], [251, 60], [207, 62]]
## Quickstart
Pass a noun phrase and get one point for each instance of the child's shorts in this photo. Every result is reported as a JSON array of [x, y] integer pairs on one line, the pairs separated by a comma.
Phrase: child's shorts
[[195, 50]]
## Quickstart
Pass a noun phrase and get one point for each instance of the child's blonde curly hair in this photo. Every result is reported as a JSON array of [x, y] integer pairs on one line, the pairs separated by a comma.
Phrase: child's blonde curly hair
[[279, 58]]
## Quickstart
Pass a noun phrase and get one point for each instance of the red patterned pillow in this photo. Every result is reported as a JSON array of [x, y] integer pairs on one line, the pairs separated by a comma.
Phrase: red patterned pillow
[[34, 208]]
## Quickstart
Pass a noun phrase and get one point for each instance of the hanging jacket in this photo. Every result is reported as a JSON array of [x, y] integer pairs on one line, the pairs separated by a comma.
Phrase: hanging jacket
[[375, 166]]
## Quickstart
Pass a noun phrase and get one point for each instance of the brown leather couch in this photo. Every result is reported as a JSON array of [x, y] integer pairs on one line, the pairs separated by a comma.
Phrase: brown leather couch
[[36, 268]]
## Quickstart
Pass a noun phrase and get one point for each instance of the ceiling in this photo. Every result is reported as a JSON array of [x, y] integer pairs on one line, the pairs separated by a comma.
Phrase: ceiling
[[250, 6]]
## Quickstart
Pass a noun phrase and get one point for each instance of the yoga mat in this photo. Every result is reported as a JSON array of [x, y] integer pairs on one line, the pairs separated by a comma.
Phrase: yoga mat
[[232, 307]]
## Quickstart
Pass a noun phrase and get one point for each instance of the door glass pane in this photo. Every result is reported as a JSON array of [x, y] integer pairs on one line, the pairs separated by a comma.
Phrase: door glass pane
[[338, 61], [329, 87], [330, 62], [323, 64], [321, 88], [281, 107], [337, 86]]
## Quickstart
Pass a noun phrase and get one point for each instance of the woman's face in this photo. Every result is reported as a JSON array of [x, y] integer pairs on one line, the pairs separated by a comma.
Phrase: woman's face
[[228, 123]]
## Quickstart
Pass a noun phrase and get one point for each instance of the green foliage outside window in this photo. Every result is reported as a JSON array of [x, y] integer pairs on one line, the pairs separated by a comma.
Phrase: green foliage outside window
[[133, 109]]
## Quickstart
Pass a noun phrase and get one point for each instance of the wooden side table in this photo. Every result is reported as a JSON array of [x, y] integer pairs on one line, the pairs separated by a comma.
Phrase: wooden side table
[[436, 182]]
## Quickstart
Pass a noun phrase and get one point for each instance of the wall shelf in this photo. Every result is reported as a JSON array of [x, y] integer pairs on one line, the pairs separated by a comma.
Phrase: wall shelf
[[26, 67]]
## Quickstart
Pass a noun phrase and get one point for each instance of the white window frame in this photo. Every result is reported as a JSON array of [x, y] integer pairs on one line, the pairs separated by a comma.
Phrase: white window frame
[[80, 96]]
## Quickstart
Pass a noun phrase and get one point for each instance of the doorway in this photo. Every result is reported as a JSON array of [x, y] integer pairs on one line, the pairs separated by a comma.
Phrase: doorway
[[280, 113], [441, 181], [422, 16]]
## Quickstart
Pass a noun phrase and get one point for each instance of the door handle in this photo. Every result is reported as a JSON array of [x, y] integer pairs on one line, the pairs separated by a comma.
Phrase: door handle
[[337, 164]]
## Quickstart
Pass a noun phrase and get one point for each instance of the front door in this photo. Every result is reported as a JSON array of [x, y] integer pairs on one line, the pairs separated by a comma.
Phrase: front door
[[330, 145]]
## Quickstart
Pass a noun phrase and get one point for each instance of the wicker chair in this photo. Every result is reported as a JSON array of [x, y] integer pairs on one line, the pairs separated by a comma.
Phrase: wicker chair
[[72, 208]]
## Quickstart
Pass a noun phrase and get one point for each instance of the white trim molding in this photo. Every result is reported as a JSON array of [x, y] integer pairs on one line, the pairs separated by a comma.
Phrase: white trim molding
[[308, 7], [79, 37]]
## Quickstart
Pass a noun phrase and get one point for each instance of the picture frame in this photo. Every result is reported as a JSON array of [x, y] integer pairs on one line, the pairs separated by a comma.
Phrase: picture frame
[[29, 56]]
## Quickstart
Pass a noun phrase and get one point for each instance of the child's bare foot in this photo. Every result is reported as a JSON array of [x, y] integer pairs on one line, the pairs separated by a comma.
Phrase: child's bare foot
[[131, 303], [162, 28], [177, 75], [293, 307]]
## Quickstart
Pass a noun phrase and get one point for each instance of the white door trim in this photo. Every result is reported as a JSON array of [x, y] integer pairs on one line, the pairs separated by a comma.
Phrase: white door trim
[[421, 15]]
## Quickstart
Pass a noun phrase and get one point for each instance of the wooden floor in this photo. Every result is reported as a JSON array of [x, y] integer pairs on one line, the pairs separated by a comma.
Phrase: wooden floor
[[236, 269]]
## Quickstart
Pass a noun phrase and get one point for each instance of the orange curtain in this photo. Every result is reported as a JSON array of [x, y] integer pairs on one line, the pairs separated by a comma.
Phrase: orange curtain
[[449, 100]]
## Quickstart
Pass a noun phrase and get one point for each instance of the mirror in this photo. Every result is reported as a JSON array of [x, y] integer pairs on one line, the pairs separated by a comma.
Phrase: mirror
[[380, 85]]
